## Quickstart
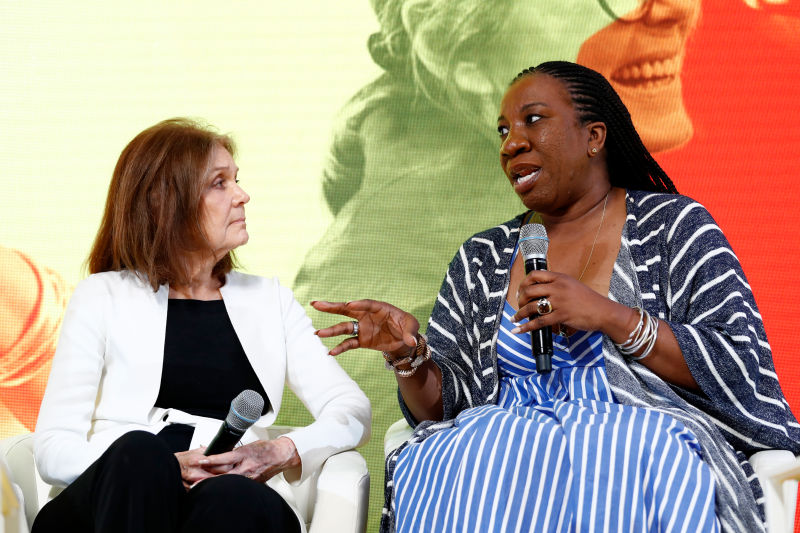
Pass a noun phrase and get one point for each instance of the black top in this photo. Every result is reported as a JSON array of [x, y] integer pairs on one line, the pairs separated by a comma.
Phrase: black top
[[205, 366]]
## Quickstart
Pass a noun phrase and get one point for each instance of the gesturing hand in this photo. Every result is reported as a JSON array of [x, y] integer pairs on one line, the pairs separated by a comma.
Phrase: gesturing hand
[[381, 326]]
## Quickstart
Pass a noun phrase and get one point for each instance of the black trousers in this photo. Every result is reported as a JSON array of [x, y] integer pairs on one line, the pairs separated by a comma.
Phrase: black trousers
[[135, 486]]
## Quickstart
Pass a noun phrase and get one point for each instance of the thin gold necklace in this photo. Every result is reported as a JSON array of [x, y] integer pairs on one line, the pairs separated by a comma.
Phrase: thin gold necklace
[[561, 329], [602, 217]]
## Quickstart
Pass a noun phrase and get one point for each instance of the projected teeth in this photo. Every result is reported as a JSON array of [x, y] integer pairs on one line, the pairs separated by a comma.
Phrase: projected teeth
[[648, 72]]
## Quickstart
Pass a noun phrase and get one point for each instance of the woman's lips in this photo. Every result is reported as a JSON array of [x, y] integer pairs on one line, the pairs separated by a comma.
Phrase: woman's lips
[[525, 182]]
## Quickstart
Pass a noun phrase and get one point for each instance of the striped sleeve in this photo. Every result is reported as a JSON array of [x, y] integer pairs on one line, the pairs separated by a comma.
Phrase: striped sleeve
[[461, 329], [712, 311], [451, 338]]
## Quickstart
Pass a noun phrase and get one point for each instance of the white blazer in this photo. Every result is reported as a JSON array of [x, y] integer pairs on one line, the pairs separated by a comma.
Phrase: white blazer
[[106, 373]]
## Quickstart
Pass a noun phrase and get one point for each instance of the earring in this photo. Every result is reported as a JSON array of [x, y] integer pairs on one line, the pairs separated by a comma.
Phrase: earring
[[594, 151]]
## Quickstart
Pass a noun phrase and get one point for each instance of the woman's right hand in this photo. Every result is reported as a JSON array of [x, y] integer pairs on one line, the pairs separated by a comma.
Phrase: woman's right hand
[[192, 470], [381, 326]]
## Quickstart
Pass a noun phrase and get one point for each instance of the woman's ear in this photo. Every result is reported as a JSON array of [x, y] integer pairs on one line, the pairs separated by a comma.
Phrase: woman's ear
[[597, 137]]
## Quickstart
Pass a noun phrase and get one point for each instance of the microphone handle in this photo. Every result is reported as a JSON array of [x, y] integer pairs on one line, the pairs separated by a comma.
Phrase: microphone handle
[[224, 441], [541, 339]]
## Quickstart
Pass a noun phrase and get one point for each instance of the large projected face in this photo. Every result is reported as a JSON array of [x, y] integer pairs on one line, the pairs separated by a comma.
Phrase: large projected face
[[642, 54], [464, 55]]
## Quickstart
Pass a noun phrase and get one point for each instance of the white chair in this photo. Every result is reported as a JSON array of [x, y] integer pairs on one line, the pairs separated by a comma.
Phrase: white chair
[[778, 471], [335, 500], [12, 515]]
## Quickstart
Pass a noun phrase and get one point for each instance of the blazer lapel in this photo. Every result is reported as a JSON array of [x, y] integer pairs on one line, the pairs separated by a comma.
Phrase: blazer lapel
[[253, 306]]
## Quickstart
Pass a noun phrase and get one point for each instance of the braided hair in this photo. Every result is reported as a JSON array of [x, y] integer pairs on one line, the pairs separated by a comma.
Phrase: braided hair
[[630, 165]]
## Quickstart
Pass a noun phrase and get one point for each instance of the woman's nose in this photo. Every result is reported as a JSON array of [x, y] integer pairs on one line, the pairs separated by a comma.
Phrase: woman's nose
[[241, 196], [672, 12], [514, 144]]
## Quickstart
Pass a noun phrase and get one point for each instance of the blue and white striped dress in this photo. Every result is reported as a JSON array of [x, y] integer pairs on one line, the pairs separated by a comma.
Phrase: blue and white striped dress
[[555, 454], [674, 262]]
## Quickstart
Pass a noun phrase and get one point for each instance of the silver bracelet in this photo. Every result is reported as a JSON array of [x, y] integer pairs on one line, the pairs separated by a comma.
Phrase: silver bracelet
[[419, 354], [643, 337], [636, 339], [635, 330]]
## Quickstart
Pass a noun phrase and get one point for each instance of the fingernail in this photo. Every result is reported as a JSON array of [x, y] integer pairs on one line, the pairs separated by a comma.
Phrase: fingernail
[[515, 330], [203, 461]]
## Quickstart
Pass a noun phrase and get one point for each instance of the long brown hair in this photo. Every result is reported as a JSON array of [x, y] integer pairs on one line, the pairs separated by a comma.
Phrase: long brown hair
[[152, 219]]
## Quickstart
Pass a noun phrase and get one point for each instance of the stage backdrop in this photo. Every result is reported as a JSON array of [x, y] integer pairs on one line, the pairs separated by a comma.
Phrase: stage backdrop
[[367, 142]]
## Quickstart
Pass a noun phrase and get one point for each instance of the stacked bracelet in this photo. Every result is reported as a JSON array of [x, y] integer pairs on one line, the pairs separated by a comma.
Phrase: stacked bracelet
[[643, 337], [417, 356]]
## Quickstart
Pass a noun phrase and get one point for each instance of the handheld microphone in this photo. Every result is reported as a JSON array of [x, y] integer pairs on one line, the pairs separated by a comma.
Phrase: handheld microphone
[[245, 410], [533, 244]]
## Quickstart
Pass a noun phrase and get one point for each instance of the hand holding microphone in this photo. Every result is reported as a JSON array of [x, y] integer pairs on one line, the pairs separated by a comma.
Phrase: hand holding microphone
[[245, 410], [259, 460], [533, 244], [579, 306]]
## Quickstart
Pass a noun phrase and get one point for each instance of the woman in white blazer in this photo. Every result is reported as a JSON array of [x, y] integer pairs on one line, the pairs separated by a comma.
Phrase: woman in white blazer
[[158, 340]]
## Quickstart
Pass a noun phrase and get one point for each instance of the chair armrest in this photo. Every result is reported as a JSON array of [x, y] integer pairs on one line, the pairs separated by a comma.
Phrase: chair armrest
[[397, 434], [337, 497], [778, 472], [342, 495], [17, 453], [12, 511]]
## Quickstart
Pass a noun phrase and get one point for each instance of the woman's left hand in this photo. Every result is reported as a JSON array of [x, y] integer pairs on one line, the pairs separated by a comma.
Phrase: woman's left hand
[[258, 460], [573, 303], [577, 306]]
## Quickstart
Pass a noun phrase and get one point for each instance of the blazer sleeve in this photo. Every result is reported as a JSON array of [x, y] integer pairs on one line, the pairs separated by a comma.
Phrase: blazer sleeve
[[341, 410], [715, 319], [61, 447]]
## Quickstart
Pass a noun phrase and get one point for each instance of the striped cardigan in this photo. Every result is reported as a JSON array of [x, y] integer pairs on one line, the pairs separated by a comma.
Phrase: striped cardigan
[[688, 276]]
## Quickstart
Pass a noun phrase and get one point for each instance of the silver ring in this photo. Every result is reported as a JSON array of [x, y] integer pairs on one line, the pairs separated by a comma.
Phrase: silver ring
[[543, 306], [355, 328]]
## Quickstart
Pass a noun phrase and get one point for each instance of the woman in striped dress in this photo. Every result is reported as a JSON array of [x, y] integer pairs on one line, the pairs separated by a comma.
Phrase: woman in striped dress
[[662, 379]]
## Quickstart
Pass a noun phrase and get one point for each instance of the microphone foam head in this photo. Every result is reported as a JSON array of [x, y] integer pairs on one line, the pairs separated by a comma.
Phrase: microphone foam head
[[533, 241], [245, 410]]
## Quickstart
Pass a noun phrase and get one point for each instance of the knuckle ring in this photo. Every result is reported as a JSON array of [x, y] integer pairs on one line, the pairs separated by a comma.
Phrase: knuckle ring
[[543, 306], [355, 329]]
